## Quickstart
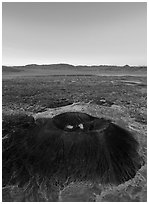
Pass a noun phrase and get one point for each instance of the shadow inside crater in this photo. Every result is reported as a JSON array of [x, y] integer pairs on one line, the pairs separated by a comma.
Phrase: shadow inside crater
[[76, 121]]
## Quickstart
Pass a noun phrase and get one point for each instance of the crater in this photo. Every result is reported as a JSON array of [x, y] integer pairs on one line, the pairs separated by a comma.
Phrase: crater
[[77, 121], [70, 145]]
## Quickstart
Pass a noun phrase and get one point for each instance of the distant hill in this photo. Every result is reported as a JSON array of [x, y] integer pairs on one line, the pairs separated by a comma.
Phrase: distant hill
[[67, 66], [70, 70]]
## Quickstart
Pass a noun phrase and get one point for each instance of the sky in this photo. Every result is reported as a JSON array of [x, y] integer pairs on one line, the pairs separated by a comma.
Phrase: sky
[[87, 33]]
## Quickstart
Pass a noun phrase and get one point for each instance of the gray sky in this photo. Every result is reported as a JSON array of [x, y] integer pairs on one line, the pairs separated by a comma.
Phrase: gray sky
[[75, 33]]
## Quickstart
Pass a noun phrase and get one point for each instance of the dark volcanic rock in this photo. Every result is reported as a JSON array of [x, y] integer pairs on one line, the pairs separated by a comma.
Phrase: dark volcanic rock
[[70, 145]]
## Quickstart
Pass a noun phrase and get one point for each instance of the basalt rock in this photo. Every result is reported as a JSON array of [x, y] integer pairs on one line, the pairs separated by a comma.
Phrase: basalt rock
[[70, 145]]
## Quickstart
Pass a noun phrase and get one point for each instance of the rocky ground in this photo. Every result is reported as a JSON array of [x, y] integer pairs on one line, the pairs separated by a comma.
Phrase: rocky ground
[[121, 99]]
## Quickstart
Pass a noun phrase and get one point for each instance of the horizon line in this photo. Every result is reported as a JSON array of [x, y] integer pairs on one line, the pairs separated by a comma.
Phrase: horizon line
[[64, 63]]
